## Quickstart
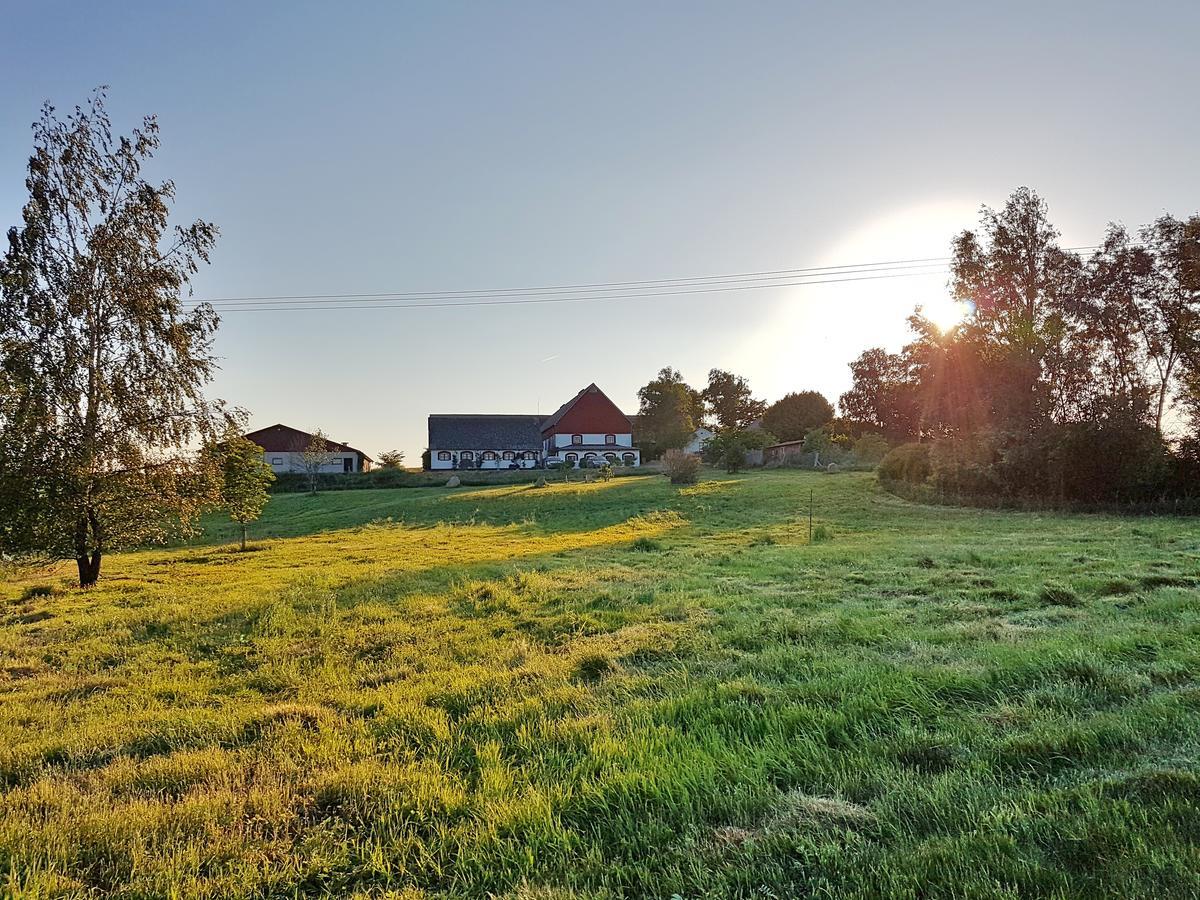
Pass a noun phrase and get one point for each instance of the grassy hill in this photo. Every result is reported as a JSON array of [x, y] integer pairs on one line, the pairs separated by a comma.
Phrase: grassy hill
[[607, 690]]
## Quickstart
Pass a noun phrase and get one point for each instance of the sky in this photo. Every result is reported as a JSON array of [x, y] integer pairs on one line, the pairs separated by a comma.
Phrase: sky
[[399, 147]]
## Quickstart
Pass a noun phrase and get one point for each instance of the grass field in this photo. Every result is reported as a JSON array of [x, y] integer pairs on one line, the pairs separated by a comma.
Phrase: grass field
[[624, 689]]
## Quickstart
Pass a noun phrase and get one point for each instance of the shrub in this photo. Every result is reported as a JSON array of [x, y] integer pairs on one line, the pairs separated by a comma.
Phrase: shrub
[[908, 462], [828, 446], [965, 467], [870, 449], [645, 545], [682, 468], [606, 472], [729, 447]]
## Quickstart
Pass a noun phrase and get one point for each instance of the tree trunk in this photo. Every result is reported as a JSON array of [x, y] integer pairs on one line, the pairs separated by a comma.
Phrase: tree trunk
[[243, 537], [89, 569]]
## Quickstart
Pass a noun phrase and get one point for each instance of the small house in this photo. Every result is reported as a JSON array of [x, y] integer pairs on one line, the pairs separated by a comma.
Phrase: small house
[[283, 450]]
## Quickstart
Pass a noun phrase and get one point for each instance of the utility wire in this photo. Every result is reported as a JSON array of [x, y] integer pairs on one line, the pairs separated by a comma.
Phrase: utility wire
[[591, 292], [585, 294], [716, 281], [450, 304], [816, 270]]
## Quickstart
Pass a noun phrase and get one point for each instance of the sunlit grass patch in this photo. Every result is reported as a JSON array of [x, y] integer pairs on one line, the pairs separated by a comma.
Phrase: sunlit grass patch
[[611, 689]]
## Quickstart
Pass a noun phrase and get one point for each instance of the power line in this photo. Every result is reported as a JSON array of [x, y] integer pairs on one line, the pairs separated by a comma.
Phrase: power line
[[591, 292], [586, 294], [781, 273], [450, 304], [715, 281]]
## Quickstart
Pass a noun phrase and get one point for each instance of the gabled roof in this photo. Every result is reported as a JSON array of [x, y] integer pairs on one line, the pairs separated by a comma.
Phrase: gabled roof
[[554, 417], [280, 438], [455, 432], [557, 416]]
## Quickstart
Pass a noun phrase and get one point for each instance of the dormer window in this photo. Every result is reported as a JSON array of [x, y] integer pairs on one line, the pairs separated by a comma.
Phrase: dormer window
[[610, 439], [577, 439]]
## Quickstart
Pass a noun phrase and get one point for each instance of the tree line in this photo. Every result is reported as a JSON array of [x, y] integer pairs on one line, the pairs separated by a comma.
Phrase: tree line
[[1072, 377], [671, 411]]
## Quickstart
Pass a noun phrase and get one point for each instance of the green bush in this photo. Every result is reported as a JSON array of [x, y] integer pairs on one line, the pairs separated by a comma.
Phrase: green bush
[[870, 449], [681, 468], [908, 462]]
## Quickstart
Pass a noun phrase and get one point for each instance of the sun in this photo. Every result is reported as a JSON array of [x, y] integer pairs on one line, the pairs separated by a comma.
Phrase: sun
[[813, 331], [945, 313]]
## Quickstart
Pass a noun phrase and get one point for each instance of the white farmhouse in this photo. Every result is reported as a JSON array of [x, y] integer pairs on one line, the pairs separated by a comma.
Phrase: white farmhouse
[[283, 450]]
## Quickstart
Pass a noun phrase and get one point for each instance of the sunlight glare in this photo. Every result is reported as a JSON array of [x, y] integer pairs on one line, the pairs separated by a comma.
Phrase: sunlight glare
[[945, 313], [814, 332]]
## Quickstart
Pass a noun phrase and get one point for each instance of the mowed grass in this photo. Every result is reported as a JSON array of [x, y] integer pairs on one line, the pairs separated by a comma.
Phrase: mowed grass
[[613, 690]]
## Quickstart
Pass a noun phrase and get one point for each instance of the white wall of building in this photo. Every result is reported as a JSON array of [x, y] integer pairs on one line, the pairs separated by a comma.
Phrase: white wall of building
[[294, 462], [616, 456], [457, 457], [622, 440], [699, 439], [478, 460]]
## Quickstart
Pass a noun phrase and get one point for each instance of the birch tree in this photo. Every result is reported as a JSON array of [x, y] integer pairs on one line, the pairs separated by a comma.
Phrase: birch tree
[[102, 363]]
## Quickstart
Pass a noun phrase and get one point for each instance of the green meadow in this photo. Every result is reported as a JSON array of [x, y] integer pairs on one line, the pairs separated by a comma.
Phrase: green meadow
[[621, 689]]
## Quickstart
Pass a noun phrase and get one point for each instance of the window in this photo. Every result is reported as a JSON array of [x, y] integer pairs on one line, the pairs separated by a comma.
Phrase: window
[[611, 457], [508, 454], [277, 460], [610, 439], [467, 454], [529, 454], [628, 458], [572, 457], [443, 454], [488, 454], [577, 439]]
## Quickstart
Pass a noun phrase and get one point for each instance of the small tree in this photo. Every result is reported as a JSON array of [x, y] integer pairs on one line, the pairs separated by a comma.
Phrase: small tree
[[825, 447], [391, 459], [729, 448], [316, 456], [729, 400], [668, 414], [247, 477]]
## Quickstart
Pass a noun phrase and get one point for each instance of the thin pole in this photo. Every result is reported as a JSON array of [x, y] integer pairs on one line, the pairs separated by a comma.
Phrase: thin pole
[[810, 506]]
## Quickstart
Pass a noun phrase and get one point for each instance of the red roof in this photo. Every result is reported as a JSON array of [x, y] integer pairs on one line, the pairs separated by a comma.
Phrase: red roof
[[284, 439], [588, 412]]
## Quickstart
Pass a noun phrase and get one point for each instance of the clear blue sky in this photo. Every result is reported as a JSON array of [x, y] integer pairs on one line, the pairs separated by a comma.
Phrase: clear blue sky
[[400, 147]]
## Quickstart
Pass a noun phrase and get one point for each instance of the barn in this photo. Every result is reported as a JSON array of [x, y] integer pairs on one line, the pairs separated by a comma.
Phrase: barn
[[588, 430]]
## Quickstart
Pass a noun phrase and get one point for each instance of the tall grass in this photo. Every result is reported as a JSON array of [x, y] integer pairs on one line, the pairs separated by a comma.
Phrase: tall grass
[[612, 690]]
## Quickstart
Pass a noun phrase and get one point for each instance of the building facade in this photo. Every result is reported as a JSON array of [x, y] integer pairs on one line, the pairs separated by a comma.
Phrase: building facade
[[283, 450], [587, 431]]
